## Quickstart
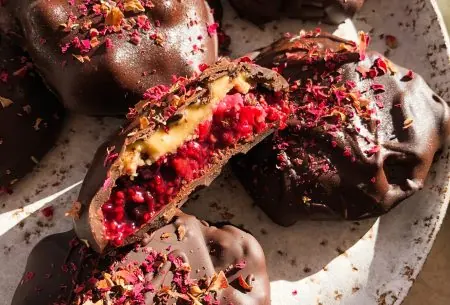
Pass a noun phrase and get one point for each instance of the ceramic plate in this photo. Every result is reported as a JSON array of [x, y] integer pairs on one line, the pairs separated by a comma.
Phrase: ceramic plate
[[368, 262]]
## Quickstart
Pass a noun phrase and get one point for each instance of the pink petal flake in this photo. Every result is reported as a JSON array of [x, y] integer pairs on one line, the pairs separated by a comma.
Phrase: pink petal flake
[[378, 88], [202, 67], [4, 76], [372, 150], [48, 212], [408, 76], [364, 41], [212, 28]]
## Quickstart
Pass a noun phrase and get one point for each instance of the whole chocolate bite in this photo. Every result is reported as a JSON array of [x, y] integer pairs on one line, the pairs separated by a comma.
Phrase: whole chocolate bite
[[185, 262], [175, 141], [99, 57], [30, 116], [330, 11], [363, 139]]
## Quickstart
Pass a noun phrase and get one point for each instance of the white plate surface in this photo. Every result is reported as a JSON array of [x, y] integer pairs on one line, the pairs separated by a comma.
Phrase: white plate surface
[[370, 262]]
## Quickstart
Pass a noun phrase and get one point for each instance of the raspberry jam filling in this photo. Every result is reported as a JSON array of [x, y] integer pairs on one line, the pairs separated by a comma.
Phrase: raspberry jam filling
[[237, 118]]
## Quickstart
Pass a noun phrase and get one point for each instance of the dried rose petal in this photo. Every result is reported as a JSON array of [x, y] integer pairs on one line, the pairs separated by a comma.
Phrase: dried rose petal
[[378, 88], [362, 70], [28, 277], [102, 285], [196, 291], [202, 67], [240, 265], [126, 275], [81, 58], [181, 232], [212, 28], [165, 235], [114, 17], [48, 212], [134, 6], [74, 211], [244, 284], [373, 150], [392, 68], [4, 76], [218, 282], [364, 41], [143, 122], [408, 76], [5, 102], [37, 123], [381, 65]]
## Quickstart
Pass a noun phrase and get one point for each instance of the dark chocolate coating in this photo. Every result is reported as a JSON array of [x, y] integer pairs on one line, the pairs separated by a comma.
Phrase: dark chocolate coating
[[338, 176], [30, 125], [331, 11], [207, 249], [115, 78], [217, 8], [291, 54], [100, 179]]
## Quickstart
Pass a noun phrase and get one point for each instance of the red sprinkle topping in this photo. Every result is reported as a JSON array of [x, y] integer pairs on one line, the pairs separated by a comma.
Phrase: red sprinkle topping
[[4, 76], [27, 277], [48, 212], [202, 67], [408, 76], [132, 282], [212, 28]]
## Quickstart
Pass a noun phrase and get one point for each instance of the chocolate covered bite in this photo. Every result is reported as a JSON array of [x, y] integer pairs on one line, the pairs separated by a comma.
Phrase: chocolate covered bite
[[185, 262], [99, 57], [363, 139], [308, 54], [175, 141], [30, 116], [330, 11]]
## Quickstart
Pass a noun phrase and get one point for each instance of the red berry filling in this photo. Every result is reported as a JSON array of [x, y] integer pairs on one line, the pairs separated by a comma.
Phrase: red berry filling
[[237, 118]]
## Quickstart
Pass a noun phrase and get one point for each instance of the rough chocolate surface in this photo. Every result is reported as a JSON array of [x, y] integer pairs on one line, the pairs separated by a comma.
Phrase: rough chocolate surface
[[60, 268], [364, 139], [30, 116], [331, 11], [163, 107], [99, 59]]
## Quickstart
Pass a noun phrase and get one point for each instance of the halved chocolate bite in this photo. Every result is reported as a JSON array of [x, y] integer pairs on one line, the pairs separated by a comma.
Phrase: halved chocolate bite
[[30, 116], [99, 57], [330, 11], [185, 262], [363, 140], [176, 141]]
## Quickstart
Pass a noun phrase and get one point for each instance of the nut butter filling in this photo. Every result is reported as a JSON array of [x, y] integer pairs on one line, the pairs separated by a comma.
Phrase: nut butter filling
[[165, 141]]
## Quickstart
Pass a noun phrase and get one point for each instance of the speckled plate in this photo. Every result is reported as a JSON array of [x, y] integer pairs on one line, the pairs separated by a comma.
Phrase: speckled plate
[[368, 262]]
